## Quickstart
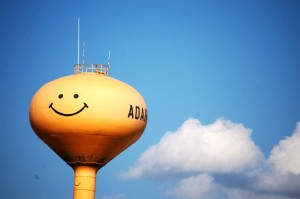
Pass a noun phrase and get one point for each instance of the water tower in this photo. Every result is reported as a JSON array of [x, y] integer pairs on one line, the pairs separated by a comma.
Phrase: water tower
[[87, 118]]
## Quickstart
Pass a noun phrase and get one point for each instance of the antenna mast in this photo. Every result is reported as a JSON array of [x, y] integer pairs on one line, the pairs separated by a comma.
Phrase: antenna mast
[[108, 59], [78, 31], [83, 54]]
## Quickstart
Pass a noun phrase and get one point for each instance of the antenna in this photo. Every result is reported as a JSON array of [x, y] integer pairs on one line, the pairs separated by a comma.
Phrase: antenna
[[108, 59], [78, 31], [83, 55]]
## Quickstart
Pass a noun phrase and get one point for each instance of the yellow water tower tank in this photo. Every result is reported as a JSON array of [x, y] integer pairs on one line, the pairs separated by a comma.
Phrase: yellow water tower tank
[[87, 119]]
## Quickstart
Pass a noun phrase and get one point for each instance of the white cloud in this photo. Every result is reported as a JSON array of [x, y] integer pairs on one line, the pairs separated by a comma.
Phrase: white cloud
[[193, 187], [258, 186], [285, 156], [220, 160], [222, 146], [277, 184]]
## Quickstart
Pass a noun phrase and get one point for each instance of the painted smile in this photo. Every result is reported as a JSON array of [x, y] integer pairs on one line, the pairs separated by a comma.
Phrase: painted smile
[[68, 114]]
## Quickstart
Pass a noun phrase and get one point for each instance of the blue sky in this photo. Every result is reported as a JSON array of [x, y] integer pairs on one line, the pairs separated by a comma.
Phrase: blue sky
[[214, 72]]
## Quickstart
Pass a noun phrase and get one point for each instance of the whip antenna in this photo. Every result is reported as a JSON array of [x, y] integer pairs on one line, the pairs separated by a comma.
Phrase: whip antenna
[[83, 53], [108, 59], [78, 36]]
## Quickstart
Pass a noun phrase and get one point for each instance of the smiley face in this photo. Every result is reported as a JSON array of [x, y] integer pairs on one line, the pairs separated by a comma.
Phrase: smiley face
[[76, 96]]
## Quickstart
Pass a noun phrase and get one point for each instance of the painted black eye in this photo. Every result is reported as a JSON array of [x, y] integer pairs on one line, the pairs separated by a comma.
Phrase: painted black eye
[[76, 96], [60, 96]]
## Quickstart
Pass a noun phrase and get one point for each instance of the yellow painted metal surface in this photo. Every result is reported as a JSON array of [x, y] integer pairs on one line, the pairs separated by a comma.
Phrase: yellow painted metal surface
[[88, 118], [84, 182]]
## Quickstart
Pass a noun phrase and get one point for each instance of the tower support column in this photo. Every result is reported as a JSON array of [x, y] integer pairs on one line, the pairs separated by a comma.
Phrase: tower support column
[[84, 182]]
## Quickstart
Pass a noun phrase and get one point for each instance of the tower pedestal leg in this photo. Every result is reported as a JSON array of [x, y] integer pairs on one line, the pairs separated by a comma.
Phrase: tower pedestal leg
[[85, 182]]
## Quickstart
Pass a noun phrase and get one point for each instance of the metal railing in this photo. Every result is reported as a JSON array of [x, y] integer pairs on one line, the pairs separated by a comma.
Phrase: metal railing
[[91, 68]]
